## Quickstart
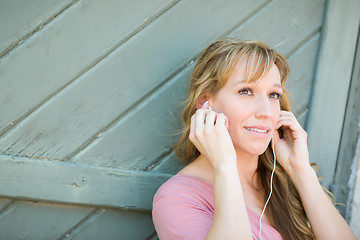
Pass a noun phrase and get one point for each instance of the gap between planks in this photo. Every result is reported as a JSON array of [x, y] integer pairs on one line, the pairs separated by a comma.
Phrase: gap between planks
[[86, 69]]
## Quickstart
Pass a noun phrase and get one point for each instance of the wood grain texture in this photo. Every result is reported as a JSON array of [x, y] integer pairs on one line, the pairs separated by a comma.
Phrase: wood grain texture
[[33, 220], [19, 19], [331, 86], [283, 24], [114, 85], [144, 134], [302, 67], [342, 184], [77, 183], [64, 49], [109, 224]]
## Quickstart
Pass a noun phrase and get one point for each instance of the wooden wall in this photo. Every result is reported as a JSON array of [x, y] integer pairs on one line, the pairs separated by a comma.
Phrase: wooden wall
[[90, 95]]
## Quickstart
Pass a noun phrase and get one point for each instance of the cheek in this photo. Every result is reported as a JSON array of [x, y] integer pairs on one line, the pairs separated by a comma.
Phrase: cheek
[[238, 114]]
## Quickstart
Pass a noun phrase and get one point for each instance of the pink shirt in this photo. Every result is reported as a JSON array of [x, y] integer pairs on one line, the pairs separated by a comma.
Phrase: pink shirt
[[183, 208]]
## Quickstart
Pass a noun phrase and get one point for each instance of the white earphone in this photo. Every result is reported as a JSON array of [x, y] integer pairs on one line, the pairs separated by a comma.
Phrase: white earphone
[[271, 189]]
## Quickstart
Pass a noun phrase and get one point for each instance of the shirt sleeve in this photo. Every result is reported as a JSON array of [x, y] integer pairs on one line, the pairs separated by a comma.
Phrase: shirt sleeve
[[181, 217]]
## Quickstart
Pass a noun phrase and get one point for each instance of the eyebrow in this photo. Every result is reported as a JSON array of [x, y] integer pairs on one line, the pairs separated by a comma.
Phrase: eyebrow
[[275, 84]]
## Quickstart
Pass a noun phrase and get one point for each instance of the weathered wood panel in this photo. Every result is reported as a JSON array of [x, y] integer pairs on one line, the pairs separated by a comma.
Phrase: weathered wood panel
[[144, 134], [284, 24], [341, 185], [110, 146], [114, 224], [77, 184], [64, 49], [37, 220], [302, 66], [104, 90], [19, 19], [31, 220], [331, 86], [78, 113]]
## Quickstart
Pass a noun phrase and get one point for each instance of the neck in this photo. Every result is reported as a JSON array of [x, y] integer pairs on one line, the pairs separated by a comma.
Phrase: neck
[[246, 164]]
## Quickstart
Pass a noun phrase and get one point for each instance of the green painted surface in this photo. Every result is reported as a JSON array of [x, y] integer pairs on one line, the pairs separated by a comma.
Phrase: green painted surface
[[99, 86], [331, 85]]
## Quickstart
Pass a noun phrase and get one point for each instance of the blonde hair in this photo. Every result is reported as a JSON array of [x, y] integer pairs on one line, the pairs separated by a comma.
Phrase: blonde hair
[[210, 74]]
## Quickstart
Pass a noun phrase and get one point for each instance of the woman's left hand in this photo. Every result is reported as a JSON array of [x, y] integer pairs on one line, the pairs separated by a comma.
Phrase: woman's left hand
[[291, 150]]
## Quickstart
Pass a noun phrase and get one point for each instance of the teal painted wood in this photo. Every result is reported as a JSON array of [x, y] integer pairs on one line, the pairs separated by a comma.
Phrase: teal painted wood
[[19, 19], [342, 184], [82, 111], [114, 89], [169, 164], [52, 181], [302, 66], [144, 135], [109, 224], [284, 24], [32, 220], [331, 85], [5, 204], [36, 220], [64, 49]]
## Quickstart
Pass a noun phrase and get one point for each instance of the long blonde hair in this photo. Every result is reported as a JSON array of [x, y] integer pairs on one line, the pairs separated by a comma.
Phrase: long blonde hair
[[210, 74]]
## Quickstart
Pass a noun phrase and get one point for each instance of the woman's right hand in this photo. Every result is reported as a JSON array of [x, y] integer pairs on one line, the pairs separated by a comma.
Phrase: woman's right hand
[[209, 133]]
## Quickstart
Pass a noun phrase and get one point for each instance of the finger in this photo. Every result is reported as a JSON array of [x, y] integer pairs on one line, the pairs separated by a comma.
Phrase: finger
[[289, 119], [291, 128], [210, 119], [222, 120], [192, 128], [276, 136], [199, 121], [287, 113]]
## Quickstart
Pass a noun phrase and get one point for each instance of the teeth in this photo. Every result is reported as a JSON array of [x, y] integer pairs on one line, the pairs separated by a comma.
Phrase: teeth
[[257, 130]]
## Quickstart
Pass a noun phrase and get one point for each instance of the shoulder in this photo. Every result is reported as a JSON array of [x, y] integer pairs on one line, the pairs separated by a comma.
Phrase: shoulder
[[185, 187], [183, 206]]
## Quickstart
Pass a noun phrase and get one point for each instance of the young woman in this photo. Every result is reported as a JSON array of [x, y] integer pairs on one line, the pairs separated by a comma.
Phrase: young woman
[[248, 174]]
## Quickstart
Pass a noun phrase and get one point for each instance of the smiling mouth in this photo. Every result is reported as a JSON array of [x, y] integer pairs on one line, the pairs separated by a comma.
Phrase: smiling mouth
[[257, 130]]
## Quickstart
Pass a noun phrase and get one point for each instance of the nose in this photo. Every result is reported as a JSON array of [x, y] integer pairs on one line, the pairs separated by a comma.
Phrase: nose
[[263, 108]]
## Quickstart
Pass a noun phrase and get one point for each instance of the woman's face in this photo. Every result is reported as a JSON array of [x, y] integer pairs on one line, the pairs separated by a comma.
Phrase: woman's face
[[252, 108]]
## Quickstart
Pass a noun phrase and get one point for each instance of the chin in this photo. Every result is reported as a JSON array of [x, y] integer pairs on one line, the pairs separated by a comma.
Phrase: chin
[[254, 149]]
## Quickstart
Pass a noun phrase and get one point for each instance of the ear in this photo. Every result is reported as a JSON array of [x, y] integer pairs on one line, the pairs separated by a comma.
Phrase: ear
[[200, 102]]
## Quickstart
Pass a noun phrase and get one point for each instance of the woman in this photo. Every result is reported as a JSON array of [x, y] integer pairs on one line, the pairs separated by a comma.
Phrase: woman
[[236, 111]]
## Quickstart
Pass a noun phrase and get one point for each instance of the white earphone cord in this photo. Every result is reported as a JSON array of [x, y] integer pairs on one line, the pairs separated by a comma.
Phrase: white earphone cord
[[271, 189]]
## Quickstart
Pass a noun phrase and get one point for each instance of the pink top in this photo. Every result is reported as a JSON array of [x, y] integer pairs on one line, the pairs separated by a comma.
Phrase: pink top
[[183, 208]]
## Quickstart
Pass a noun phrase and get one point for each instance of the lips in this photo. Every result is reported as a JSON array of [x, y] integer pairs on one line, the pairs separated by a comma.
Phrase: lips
[[258, 131], [258, 128]]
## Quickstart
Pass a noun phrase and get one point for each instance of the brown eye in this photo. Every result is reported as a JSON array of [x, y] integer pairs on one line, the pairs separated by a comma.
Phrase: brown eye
[[275, 95], [246, 92]]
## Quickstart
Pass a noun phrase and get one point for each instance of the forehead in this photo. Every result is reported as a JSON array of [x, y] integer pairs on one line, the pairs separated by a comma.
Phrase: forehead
[[243, 74]]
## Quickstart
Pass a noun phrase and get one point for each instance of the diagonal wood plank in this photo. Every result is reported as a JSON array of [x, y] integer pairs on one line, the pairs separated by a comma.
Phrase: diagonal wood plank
[[77, 183], [64, 49], [302, 67], [284, 24], [114, 224], [20, 19], [65, 123], [36, 220]]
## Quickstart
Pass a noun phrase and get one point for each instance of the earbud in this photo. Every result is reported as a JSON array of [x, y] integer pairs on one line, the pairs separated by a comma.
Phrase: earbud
[[207, 104]]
